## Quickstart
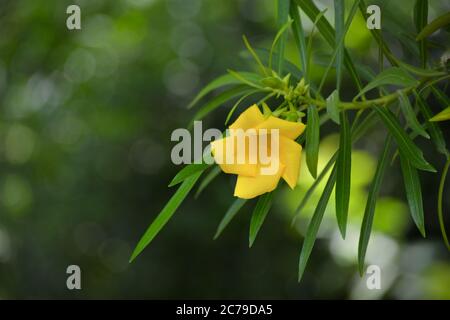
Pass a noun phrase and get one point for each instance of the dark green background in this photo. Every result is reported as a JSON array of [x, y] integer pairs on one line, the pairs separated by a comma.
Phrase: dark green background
[[85, 125]]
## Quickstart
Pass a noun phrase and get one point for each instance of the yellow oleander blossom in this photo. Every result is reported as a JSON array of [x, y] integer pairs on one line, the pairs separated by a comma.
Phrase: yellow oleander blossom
[[250, 181]]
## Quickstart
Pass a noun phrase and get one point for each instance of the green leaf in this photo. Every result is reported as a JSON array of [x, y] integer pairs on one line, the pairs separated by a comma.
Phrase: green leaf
[[245, 96], [392, 76], [312, 140], [299, 37], [188, 171], [311, 37], [282, 19], [442, 116], [410, 115], [344, 165], [288, 66], [339, 18], [212, 174], [327, 32], [427, 73], [314, 186], [421, 20], [404, 142], [165, 214], [248, 78], [279, 37], [376, 34], [259, 215], [314, 224], [441, 96], [358, 129], [220, 99], [229, 215], [250, 49], [434, 26], [333, 106], [366, 226], [435, 132], [340, 45], [413, 192], [224, 80], [368, 122], [440, 210], [266, 110]]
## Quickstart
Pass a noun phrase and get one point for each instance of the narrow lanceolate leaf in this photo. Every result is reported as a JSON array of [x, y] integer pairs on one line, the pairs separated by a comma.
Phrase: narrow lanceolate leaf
[[440, 200], [215, 171], [376, 34], [358, 130], [165, 214], [413, 192], [309, 47], [333, 106], [314, 186], [288, 66], [299, 37], [278, 38], [392, 76], [312, 140], [441, 96], [434, 26], [282, 19], [250, 49], [248, 78], [344, 164], [421, 20], [220, 99], [259, 215], [410, 115], [188, 171], [328, 34], [442, 116], [404, 142], [314, 224], [339, 18], [229, 215], [238, 102], [435, 132], [224, 80], [427, 73], [339, 45], [366, 227]]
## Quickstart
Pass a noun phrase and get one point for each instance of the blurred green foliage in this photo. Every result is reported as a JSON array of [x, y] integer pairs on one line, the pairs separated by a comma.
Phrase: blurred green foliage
[[85, 127]]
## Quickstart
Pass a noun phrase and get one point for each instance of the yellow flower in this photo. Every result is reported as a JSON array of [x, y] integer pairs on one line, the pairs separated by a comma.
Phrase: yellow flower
[[251, 181]]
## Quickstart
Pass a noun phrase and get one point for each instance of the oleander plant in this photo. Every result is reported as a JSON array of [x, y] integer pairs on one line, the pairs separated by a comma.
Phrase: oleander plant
[[277, 92]]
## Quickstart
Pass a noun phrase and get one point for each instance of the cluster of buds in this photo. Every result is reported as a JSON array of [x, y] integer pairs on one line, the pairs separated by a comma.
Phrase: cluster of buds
[[301, 90], [278, 85], [292, 95], [281, 86]]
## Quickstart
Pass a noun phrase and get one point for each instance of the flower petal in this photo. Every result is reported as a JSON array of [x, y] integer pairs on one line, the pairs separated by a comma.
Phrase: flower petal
[[250, 118], [290, 154], [231, 165], [251, 187], [288, 129]]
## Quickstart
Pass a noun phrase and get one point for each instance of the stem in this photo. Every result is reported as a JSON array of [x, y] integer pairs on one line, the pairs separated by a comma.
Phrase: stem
[[361, 104], [440, 211], [383, 100]]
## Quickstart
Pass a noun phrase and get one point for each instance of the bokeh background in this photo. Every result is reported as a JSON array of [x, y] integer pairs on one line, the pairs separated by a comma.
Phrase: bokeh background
[[85, 124]]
